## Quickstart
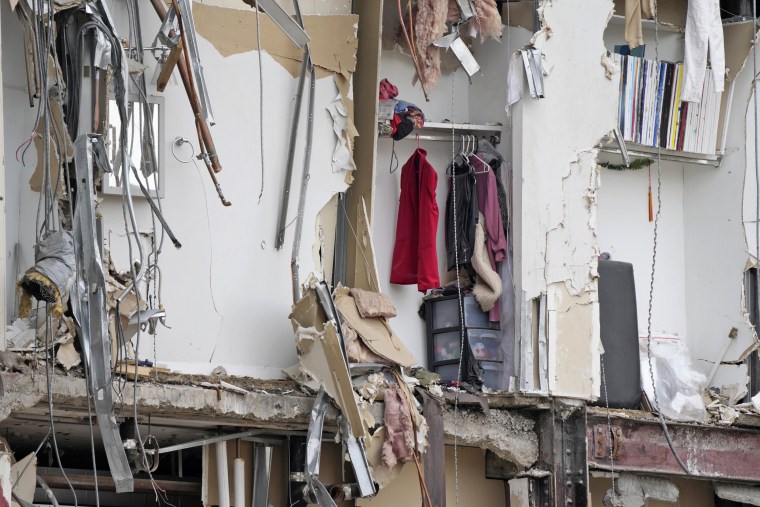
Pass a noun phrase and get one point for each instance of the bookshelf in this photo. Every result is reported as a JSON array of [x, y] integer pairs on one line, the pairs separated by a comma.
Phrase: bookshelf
[[651, 113], [608, 145]]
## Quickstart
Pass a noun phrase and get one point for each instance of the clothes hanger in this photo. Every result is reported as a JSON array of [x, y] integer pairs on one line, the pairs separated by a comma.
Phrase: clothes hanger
[[485, 165], [461, 155], [393, 167]]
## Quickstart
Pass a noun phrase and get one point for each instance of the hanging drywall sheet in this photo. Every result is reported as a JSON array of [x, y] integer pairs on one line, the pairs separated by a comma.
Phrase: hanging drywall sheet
[[307, 312], [366, 275], [323, 250], [737, 40], [321, 357], [333, 38], [375, 332]]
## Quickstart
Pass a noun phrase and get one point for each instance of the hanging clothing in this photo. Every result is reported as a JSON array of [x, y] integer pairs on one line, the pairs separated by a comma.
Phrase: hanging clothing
[[704, 31], [488, 205], [493, 158], [634, 9], [488, 287], [415, 259], [461, 247]]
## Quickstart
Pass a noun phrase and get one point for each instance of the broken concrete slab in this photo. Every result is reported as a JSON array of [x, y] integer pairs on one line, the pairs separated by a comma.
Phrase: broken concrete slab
[[740, 493], [638, 490], [511, 436]]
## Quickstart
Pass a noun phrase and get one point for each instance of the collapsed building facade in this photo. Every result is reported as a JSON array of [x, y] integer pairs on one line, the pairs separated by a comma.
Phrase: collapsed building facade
[[237, 270]]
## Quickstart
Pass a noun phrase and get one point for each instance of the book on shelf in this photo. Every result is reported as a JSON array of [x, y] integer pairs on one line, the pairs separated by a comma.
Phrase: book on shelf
[[651, 112]]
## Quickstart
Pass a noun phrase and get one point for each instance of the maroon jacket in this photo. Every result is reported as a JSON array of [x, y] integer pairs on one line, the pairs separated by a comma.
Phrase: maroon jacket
[[415, 259]]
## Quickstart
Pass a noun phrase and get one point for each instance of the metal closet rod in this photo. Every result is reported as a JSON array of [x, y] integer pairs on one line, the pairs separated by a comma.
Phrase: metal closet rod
[[447, 138]]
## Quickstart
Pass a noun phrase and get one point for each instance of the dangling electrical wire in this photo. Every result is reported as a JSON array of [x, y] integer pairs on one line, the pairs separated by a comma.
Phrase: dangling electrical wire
[[460, 302], [654, 265], [261, 102], [754, 112]]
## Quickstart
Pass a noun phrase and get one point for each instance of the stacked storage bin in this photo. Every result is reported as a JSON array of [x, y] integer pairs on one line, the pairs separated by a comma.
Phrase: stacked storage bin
[[444, 335]]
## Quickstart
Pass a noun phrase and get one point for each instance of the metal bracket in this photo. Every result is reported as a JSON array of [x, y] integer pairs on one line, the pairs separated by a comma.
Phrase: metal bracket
[[358, 461], [602, 442], [454, 42]]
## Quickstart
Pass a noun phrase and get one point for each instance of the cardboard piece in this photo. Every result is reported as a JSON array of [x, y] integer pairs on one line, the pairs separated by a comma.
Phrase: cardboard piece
[[321, 357], [375, 332], [24, 487], [333, 38]]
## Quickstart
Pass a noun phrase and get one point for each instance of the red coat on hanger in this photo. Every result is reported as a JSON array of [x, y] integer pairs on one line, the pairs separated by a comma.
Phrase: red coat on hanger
[[415, 259]]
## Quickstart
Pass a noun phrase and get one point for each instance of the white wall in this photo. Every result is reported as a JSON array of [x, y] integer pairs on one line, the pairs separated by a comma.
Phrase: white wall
[[625, 232], [701, 251], [227, 290]]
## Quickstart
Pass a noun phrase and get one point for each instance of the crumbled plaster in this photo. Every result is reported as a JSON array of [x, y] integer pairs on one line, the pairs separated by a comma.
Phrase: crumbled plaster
[[509, 435]]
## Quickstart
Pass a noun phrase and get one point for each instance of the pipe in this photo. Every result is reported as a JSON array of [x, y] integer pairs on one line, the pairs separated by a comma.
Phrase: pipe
[[222, 474], [238, 481], [184, 73]]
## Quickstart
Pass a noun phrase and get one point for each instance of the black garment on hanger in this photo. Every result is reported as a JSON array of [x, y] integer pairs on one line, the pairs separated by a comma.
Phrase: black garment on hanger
[[467, 217]]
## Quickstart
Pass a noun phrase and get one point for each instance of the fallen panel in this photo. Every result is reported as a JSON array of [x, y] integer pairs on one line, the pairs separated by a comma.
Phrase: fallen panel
[[321, 356], [375, 332]]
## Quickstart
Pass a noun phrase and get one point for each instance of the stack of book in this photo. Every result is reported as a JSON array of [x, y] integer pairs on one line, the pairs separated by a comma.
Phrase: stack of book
[[651, 112]]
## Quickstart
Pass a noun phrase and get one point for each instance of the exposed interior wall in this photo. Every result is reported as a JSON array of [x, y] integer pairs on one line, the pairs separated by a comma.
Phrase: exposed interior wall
[[626, 233], [227, 292], [556, 212], [405, 489], [701, 243], [691, 493], [481, 101]]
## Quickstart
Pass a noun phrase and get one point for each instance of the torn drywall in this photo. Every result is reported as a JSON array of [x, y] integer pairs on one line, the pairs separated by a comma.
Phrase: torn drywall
[[333, 38], [555, 210]]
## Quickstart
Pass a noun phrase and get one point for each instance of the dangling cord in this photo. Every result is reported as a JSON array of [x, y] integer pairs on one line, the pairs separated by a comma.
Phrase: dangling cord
[[651, 213], [455, 245], [651, 279], [261, 102]]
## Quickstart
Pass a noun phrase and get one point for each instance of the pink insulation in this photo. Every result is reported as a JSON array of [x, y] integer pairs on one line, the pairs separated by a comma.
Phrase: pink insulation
[[429, 26], [399, 436]]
